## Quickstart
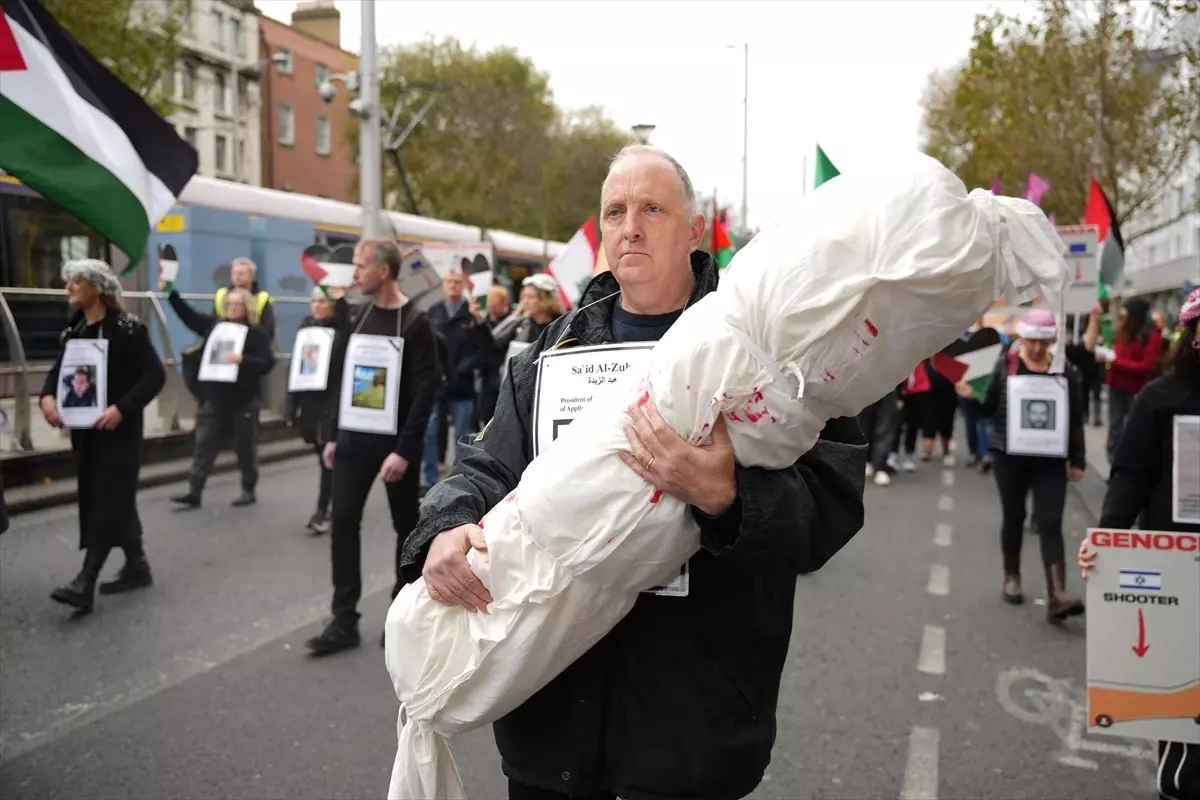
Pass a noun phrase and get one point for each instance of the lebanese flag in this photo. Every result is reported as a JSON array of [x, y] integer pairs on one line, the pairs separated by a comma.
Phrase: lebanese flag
[[70, 130], [572, 268], [1099, 212]]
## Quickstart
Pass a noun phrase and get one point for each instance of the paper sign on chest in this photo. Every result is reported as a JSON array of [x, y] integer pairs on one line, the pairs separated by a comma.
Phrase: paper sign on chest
[[370, 392], [83, 382], [226, 339], [309, 370], [1038, 416]]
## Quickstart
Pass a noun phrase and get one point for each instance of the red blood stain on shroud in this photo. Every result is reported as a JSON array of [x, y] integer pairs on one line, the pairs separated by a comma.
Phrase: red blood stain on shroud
[[654, 498], [871, 327], [645, 398]]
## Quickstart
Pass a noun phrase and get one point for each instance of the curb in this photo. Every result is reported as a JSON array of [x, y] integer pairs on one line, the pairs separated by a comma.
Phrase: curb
[[27, 499]]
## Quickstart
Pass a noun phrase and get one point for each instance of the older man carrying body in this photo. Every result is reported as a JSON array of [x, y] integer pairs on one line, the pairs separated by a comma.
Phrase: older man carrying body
[[678, 701]]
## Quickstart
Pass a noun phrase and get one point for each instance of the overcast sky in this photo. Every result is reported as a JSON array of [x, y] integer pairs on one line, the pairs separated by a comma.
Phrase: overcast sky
[[848, 74]]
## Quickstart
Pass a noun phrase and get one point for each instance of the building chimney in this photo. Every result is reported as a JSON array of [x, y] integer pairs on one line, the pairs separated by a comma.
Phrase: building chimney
[[319, 18]]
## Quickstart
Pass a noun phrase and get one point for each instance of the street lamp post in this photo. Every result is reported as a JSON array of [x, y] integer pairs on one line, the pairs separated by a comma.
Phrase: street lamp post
[[370, 150], [642, 133]]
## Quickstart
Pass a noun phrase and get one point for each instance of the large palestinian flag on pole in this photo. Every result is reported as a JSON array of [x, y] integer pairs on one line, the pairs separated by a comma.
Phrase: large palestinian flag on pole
[[70, 130]]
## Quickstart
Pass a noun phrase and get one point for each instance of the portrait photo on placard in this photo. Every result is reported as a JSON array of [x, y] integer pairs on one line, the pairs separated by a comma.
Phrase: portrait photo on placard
[[79, 388], [1038, 414], [370, 386], [309, 355], [220, 349]]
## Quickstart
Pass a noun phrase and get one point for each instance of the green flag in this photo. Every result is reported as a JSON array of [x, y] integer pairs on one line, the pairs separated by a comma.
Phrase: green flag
[[824, 169]]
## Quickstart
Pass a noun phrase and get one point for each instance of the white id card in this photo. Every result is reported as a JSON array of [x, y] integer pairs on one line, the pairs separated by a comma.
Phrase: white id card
[[310, 360], [225, 338], [83, 382], [1185, 480], [568, 381], [371, 384], [1038, 416]]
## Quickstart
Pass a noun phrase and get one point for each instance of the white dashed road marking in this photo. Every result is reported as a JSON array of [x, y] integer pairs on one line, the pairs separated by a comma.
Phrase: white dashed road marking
[[942, 534], [921, 771], [939, 580], [945, 503], [947, 477], [932, 660]]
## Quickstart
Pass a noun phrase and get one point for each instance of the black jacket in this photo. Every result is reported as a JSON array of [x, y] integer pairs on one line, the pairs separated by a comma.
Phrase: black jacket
[[310, 412], [677, 701], [995, 405], [135, 373], [1139, 484], [465, 345], [257, 358]]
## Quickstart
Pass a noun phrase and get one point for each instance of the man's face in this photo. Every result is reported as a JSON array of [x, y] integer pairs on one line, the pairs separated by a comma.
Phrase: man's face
[[1039, 415], [647, 230], [1037, 349], [368, 274], [80, 384], [242, 276], [454, 286]]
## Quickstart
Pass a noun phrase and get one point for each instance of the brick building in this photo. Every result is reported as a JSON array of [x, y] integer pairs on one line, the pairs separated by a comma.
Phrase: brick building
[[305, 141]]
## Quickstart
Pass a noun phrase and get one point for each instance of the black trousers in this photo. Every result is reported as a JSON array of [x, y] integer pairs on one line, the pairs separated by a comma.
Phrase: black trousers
[[1016, 477], [353, 477], [213, 425], [880, 423], [108, 463], [1119, 403], [940, 406], [519, 791], [911, 420], [325, 486], [1178, 771]]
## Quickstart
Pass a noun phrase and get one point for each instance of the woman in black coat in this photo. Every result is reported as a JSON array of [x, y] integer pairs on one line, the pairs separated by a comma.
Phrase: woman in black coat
[[228, 408], [108, 455], [312, 414]]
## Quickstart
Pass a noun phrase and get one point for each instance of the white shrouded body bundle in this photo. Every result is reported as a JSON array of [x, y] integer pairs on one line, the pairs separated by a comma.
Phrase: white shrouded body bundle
[[818, 317]]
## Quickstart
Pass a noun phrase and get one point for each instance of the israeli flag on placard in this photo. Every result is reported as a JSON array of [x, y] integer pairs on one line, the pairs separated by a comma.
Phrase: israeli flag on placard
[[1144, 579]]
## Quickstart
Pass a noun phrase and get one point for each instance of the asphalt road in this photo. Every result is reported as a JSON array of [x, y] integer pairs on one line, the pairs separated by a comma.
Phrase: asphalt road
[[907, 676]]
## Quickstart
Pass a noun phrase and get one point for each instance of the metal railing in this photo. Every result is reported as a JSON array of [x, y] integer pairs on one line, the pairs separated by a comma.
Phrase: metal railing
[[175, 402]]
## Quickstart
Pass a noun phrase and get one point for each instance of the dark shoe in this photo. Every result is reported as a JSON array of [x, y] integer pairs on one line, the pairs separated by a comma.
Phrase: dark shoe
[[246, 499], [1060, 605], [189, 500], [383, 639], [1012, 580], [985, 466], [134, 575], [336, 637], [973, 461], [79, 593], [319, 523]]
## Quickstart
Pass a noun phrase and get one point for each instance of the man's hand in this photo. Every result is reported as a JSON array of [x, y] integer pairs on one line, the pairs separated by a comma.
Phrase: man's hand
[[703, 476], [448, 578], [233, 358], [964, 390], [327, 456], [393, 469], [50, 412], [1074, 474], [110, 419]]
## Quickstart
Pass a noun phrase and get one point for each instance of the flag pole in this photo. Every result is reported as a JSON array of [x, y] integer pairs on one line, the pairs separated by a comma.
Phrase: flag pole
[[746, 137]]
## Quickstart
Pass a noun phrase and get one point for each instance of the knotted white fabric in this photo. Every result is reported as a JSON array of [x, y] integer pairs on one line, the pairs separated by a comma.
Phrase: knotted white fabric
[[817, 317]]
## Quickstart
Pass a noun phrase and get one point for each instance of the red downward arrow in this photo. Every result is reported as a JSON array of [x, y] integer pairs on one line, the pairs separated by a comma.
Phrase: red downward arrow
[[10, 55], [1141, 647]]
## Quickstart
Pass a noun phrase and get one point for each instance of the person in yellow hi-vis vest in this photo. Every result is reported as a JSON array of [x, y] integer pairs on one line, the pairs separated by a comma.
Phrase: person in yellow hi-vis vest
[[244, 275]]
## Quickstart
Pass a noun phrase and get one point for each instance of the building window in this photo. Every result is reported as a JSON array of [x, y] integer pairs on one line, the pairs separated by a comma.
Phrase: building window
[[1152, 256], [218, 30], [323, 138], [189, 82], [189, 134], [287, 125], [1178, 247], [219, 99], [284, 64], [233, 35], [168, 84], [322, 74], [222, 154]]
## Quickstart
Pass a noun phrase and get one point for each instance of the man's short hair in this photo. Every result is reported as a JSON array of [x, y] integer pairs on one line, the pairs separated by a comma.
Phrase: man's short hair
[[246, 262], [384, 252], [685, 181]]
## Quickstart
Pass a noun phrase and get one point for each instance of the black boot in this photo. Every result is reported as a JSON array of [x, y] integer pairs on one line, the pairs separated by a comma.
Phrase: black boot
[[247, 498], [1059, 605], [134, 575], [336, 637], [192, 498], [1012, 579], [81, 592]]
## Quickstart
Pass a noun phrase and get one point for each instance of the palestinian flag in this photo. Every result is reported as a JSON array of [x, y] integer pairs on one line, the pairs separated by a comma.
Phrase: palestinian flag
[[1100, 212], [722, 245], [824, 170], [70, 130], [971, 359]]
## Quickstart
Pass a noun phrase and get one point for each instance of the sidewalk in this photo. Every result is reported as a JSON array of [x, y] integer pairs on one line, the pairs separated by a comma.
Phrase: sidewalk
[[1092, 488]]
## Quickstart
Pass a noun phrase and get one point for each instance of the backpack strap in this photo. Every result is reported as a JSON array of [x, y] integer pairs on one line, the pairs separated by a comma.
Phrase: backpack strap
[[1011, 357]]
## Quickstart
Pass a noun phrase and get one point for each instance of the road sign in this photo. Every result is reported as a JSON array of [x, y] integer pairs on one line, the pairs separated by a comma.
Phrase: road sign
[[1143, 644], [1082, 248]]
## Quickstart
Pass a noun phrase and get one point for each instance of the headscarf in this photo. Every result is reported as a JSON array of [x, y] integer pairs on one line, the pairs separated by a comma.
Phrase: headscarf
[[542, 282], [1038, 324], [1191, 308], [95, 272]]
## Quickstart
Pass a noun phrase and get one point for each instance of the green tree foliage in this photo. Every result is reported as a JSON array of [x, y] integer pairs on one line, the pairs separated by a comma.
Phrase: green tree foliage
[[493, 150], [137, 39], [1110, 87]]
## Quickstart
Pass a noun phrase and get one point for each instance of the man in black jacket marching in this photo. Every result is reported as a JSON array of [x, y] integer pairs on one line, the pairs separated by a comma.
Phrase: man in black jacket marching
[[678, 700]]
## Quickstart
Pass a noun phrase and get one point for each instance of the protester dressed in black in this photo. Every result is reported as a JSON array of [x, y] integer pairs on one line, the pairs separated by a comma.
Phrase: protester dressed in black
[[1045, 476], [108, 456], [359, 459], [1141, 486], [228, 409], [311, 413]]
